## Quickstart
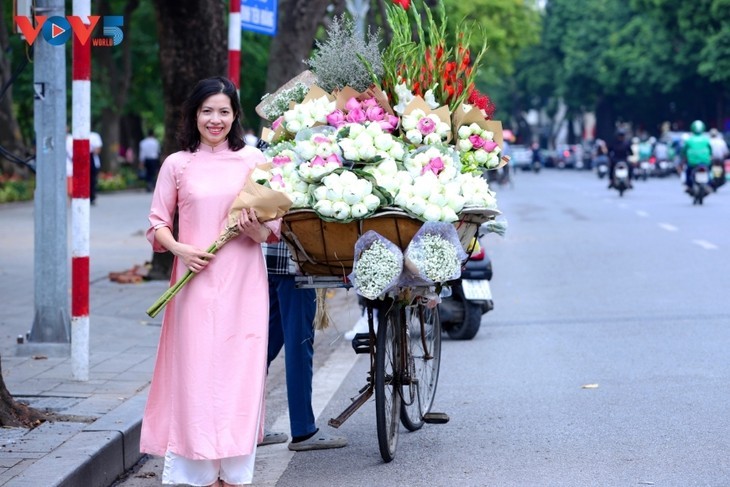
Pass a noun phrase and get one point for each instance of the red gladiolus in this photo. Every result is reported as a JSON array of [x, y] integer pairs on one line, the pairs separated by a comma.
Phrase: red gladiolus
[[403, 3]]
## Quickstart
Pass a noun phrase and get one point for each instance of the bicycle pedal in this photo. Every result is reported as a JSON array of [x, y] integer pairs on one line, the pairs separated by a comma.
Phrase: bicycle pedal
[[436, 418], [361, 343]]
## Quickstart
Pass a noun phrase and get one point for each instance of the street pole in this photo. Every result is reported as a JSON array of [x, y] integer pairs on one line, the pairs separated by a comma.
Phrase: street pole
[[234, 43], [50, 333], [80, 203]]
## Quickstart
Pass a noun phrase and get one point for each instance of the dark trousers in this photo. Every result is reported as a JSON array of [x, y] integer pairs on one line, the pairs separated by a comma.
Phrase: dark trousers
[[93, 180], [151, 168], [291, 326]]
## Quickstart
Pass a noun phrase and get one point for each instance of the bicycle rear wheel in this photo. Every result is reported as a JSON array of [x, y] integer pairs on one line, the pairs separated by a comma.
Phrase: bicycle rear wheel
[[387, 365], [424, 349]]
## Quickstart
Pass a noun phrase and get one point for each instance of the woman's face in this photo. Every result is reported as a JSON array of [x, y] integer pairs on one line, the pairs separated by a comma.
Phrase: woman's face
[[215, 117]]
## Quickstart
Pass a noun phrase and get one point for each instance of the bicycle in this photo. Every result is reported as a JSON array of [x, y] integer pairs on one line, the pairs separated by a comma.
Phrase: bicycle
[[404, 348]]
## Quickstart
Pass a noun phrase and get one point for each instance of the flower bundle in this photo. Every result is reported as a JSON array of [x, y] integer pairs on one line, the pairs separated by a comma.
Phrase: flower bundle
[[434, 255], [369, 142], [307, 114], [422, 128], [319, 151], [377, 267], [360, 112], [478, 149], [343, 196]]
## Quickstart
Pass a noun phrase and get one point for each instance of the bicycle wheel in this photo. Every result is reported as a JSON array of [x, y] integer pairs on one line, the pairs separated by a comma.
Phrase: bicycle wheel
[[387, 396], [424, 350]]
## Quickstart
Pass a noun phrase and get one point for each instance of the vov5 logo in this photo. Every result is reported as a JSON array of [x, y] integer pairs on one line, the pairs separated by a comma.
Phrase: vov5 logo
[[57, 30]]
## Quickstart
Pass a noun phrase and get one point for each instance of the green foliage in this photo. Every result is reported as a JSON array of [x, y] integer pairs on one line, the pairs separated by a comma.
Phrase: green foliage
[[254, 63], [16, 190]]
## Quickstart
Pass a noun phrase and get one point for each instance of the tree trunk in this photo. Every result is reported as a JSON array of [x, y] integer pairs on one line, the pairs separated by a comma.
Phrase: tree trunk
[[10, 136], [14, 414], [298, 23], [116, 75], [193, 45]]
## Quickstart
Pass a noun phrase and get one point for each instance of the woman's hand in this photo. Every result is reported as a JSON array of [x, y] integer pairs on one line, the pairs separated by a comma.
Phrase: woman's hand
[[251, 227], [195, 260]]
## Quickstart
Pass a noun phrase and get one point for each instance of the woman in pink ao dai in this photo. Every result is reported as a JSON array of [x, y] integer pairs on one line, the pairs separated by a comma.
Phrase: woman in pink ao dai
[[204, 412]]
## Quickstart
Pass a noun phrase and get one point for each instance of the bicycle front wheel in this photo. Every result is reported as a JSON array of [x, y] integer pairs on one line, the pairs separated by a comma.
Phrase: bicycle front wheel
[[423, 362], [387, 396]]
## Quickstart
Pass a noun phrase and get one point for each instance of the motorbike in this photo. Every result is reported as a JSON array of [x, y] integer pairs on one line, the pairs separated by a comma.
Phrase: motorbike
[[471, 297], [700, 187], [717, 171], [621, 180], [601, 166]]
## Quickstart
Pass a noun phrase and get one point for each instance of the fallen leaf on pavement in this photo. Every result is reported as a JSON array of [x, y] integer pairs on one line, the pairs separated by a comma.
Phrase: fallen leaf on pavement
[[589, 386]]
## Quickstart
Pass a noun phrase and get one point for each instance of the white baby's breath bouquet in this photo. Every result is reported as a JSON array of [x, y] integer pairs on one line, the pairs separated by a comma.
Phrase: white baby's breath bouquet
[[377, 266]]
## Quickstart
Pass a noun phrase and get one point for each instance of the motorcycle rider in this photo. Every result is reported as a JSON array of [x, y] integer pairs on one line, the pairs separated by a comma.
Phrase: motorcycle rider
[[619, 150], [696, 151]]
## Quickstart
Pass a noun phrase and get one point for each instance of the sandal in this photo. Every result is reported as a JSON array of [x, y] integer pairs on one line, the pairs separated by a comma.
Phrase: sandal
[[319, 441], [271, 438]]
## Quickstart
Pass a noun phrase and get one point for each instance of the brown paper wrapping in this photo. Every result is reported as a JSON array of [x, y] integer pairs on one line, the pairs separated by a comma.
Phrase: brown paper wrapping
[[268, 203], [307, 78], [460, 117], [441, 112]]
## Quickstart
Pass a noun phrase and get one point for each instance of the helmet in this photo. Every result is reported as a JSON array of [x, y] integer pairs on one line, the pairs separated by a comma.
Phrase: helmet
[[697, 127]]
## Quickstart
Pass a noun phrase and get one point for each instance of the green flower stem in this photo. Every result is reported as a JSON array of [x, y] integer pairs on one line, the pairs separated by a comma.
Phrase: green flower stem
[[175, 288]]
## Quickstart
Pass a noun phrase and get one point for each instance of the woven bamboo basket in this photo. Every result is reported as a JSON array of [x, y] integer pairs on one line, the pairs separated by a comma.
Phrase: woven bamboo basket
[[322, 248]]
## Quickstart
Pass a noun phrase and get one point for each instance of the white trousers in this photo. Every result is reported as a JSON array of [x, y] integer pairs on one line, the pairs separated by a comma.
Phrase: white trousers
[[201, 473]]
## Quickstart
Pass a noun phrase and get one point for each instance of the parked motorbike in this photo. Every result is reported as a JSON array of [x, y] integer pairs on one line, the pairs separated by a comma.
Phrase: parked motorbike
[[471, 297], [717, 171], [700, 187], [621, 180]]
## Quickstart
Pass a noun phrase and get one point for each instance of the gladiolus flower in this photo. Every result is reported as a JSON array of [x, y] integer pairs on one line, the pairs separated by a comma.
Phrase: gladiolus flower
[[403, 3]]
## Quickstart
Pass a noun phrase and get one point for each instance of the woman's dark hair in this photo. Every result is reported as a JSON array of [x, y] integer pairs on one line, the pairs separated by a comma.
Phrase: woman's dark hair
[[188, 136]]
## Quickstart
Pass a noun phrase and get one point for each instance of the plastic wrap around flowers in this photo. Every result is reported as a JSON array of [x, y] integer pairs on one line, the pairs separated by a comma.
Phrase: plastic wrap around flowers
[[377, 266], [434, 255]]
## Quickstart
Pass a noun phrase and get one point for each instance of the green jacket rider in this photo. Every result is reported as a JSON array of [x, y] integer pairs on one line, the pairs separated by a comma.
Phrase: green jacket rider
[[697, 149]]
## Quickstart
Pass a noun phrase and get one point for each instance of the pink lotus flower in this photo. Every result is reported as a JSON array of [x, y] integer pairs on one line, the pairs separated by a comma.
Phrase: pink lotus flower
[[281, 160], [476, 141], [321, 139], [356, 116], [276, 178], [369, 103], [275, 124], [334, 158], [318, 161], [426, 126], [489, 145], [336, 119], [375, 114], [435, 165], [352, 104]]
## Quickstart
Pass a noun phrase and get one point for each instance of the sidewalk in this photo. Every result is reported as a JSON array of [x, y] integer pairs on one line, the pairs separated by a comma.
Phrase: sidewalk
[[98, 438]]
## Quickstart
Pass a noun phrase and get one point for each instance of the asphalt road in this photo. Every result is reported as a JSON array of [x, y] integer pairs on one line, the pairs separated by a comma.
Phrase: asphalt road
[[604, 363]]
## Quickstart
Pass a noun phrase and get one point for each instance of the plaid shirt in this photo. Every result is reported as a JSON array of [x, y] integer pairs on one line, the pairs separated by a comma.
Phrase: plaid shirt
[[278, 259]]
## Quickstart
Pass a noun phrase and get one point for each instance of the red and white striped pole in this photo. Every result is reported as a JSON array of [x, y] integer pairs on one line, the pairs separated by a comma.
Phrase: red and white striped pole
[[234, 43], [80, 204]]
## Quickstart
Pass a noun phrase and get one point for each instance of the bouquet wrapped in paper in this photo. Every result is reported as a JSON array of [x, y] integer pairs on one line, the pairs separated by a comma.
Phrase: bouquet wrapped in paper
[[268, 204]]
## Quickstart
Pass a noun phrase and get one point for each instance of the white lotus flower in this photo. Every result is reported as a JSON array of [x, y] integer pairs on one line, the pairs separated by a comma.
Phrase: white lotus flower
[[359, 210], [341, 210], [432, 213], [371, 202], [448, 214], [324, 208]]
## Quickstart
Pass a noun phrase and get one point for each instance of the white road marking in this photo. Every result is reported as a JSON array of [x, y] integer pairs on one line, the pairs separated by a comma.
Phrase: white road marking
[[668, 227], [642, 213], [705, 244]]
